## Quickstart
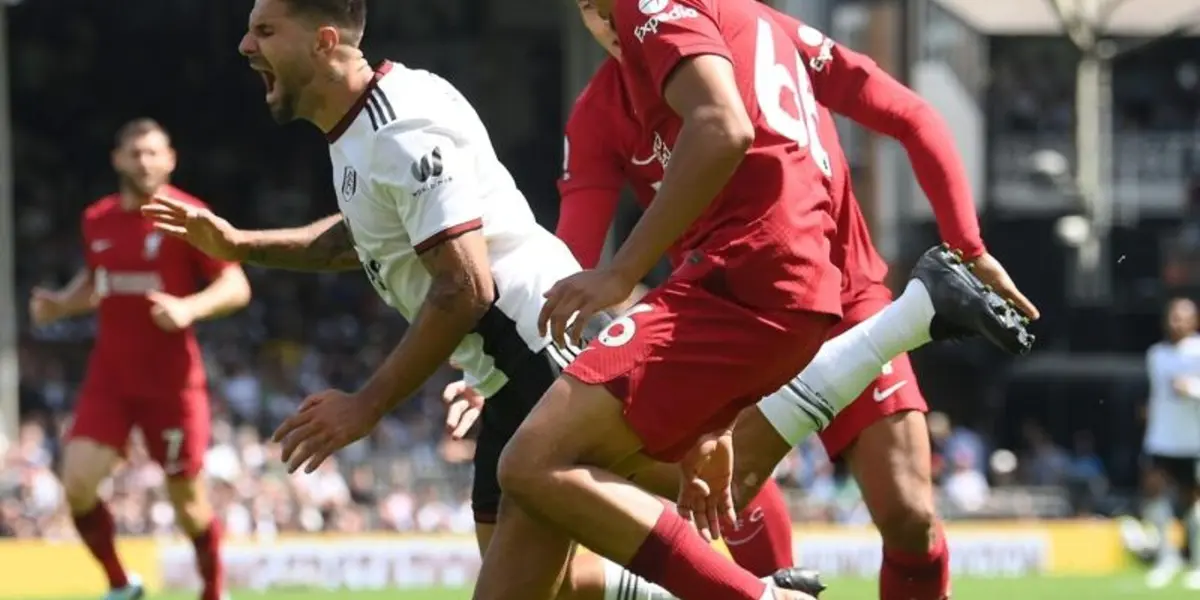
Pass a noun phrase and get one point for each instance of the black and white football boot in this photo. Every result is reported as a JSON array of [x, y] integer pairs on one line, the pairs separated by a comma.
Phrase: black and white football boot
[[799, 579], [965, 307]]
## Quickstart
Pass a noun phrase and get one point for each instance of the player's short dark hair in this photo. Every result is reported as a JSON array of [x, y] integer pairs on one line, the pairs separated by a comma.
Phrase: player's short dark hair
[[137, 128], [348, 15]]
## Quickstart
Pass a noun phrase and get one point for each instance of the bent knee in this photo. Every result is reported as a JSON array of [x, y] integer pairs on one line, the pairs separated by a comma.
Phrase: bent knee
[[907, 524], [80, 490], [521, 466]]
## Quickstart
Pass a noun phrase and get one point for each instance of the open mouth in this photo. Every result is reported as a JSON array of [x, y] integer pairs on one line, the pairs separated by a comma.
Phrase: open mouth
[[268, 79]]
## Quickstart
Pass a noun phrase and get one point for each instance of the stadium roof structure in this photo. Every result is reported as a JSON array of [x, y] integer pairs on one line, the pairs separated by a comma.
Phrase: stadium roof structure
[[1134, 18]]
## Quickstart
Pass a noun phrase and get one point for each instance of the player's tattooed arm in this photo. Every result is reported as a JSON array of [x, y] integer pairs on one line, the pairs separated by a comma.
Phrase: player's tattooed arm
[[325, 245], [460, 294]]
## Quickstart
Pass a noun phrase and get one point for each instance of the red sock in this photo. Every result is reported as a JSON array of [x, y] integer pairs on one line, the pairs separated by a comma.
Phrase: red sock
[[677, 558], [916, 576], [208, 560], [763, 542], [99, 534]]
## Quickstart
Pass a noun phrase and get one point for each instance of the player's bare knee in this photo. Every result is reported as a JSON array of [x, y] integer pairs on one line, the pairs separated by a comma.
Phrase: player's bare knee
[[192, 512], [80, 491], [85, 465], [522, 465], [907, 524]]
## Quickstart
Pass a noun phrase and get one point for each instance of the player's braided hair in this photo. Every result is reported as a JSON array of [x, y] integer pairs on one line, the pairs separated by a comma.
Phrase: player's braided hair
[[348, 15]]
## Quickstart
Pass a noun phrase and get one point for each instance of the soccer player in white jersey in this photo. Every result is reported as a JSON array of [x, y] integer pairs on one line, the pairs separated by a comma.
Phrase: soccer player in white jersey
[[1172, 443]]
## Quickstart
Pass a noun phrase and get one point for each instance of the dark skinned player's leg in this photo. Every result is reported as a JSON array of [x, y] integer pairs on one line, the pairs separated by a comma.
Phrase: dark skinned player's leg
[[765, 536], [577, 424]]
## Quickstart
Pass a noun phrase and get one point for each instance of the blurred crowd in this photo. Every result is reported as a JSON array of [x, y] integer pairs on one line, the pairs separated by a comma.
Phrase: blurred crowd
[[410, 477], [1033, 83]]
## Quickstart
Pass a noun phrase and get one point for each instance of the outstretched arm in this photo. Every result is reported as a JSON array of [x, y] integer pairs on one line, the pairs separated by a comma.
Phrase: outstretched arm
[[325, 245], [76, 298], [852, 84], [461, 292]]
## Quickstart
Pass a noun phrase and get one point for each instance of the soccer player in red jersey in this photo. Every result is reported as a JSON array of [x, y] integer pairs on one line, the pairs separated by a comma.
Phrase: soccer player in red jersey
[[145, 370], [882, 433], [745, 203]]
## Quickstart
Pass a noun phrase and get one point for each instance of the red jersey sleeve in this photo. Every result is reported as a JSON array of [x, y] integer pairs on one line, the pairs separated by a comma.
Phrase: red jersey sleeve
[[590, 185], [851, 84], [661, 33]]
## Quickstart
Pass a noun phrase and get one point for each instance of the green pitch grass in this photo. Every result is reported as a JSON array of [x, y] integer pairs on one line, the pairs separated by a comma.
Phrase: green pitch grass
[[1024, 588]]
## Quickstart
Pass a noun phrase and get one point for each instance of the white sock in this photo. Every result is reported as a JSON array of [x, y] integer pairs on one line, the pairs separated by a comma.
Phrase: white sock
[[620, 584], [1193, 533], [1158, 513], [847, 364]]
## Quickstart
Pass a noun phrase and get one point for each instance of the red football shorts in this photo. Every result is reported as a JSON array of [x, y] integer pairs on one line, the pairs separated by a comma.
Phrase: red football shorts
[[176, 426], [893, 392], [685, 361]]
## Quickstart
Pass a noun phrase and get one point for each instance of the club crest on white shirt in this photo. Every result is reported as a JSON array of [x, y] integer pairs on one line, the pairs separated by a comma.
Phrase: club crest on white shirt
[[349, 183]]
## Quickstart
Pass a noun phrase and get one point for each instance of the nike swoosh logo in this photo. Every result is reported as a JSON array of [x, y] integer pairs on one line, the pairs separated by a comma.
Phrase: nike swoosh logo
[[642, 162], [743, 540], [884, 394]]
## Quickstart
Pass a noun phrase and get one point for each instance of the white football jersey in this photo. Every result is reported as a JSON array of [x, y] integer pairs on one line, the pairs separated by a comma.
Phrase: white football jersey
[[1172, 420], [412, 166]]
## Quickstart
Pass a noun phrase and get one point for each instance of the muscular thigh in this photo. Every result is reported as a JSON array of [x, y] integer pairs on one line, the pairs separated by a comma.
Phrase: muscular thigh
[[890, 460], [685, 361], [177, 427]]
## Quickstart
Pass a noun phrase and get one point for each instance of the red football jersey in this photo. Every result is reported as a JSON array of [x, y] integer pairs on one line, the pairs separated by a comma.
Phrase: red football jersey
[[602, 153], [773, 226], [128, 259]]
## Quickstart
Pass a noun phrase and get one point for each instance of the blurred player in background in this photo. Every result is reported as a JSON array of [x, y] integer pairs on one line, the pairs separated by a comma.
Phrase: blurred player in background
[[145, 370], [1172, 443]]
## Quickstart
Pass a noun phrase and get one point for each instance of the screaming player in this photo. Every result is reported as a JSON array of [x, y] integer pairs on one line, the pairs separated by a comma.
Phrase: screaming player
[[744, 200], [883, 434], [145, 370]]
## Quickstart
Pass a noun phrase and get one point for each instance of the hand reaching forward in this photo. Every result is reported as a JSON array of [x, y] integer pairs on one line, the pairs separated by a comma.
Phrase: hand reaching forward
[[325, 423], [464, 404], [576, 299], [991, 272], [197, 226], [706, 493]]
